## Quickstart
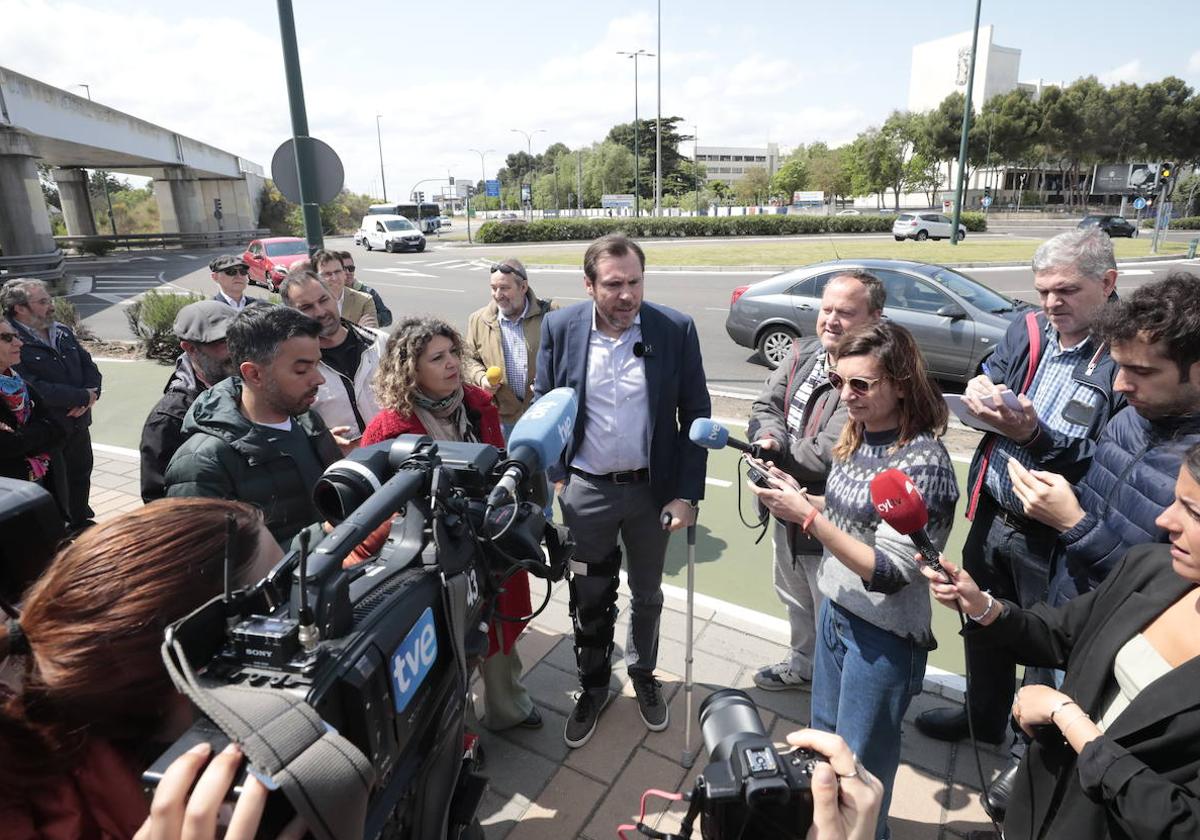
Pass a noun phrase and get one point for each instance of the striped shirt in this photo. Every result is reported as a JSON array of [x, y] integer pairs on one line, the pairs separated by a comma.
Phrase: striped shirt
[[516, 354], [800, 399], [1051, 391]]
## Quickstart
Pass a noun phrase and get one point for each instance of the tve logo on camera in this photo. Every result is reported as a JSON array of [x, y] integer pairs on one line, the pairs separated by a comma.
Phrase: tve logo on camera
[[413, 659]]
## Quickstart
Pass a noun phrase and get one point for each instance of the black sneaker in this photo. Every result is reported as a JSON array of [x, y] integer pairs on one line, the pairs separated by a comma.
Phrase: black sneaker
[[655, 713], [589, 703]]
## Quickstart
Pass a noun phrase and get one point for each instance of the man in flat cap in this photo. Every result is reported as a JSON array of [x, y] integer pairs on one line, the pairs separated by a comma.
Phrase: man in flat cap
[[203, 363], [231, 275]]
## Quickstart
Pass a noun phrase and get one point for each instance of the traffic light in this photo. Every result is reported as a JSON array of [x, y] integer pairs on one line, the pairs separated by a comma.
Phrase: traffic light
[[987, 192], [420, 197], [217, 204], [451, 180], [1165, 170]]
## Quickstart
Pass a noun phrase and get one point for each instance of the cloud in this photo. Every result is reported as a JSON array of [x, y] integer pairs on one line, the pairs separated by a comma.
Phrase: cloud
[[1193, 65], [1130, 71]]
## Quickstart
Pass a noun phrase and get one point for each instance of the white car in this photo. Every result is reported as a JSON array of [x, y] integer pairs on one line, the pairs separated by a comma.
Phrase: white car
[[849, 211], [391, 233], [922, 226], [445, 221]]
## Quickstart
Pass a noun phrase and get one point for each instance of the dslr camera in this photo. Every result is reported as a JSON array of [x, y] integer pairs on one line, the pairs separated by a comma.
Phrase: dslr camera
[[381, 651], [748, 789]]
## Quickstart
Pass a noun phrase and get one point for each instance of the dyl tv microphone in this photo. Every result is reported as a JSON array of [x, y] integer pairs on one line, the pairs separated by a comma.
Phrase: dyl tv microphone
[[536, 441], [900, 505], [709, 435]]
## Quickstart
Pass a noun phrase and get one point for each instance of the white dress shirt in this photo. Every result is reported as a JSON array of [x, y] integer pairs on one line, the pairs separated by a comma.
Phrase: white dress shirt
[[616, 436], [239, 305]]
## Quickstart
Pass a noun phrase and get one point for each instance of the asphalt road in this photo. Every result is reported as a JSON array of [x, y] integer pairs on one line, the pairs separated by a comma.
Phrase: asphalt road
[[451, 281]]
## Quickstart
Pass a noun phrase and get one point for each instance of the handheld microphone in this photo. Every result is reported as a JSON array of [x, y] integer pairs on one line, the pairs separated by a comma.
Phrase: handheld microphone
[[709, 435], [900, 505], [536, 441]]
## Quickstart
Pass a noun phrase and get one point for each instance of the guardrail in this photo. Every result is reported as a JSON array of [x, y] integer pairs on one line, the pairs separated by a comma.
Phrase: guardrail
[[34, 266], [129, 241]]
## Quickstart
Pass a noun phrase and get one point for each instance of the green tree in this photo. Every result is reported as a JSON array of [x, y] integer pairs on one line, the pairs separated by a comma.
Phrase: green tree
[[754, 187], [607, 169], [792, 175], [829, 171], [940, 132], [647, 133]]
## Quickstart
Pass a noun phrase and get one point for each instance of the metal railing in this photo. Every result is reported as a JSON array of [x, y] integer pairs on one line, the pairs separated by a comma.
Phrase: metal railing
[[129, 241], [34, 266]]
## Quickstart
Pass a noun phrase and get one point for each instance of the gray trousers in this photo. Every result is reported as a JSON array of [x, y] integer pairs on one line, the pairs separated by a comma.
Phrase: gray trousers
[[506, 702], [796, 585], [598, 513]]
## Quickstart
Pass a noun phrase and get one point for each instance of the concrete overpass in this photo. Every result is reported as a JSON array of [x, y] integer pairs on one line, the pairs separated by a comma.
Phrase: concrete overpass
[[70, 133]]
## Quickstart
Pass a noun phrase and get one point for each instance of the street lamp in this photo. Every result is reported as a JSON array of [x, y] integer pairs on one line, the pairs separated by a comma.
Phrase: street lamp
[[658, 124], [379, 137], [529, 151], [637, 159], [483, 166]]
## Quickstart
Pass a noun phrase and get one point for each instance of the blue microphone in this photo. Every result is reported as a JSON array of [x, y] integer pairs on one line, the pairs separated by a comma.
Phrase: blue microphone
[[537, 441], [709, 435]]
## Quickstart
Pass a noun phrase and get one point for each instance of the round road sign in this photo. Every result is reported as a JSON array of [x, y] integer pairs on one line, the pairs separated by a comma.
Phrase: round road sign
[[330, 173], [1139, 203]]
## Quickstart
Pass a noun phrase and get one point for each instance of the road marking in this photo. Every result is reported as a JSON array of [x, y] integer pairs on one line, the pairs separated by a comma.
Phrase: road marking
[[718, 482], [444, 262], [1131, 272], [126, 276], [188, 256], [401, 272], [424, 288], [716, 309], [737, 395]]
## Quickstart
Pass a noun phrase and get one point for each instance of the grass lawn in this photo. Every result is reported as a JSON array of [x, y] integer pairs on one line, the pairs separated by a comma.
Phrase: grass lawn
[[794, 252]]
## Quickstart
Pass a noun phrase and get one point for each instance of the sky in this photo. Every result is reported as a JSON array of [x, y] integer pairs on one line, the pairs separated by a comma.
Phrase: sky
[[449, 77]]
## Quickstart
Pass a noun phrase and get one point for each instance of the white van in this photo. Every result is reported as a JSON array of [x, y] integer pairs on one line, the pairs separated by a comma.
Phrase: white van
[[389, 233]]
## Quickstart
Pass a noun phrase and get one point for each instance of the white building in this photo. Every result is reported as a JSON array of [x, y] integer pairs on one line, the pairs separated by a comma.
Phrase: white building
[[939, 68], [730, 163]]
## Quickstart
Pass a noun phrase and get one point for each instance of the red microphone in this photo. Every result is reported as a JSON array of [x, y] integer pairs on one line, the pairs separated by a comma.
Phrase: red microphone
[[900, 505]]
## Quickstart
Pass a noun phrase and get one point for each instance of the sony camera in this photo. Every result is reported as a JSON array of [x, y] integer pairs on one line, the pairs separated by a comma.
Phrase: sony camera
[[382, 650], [748, 789]]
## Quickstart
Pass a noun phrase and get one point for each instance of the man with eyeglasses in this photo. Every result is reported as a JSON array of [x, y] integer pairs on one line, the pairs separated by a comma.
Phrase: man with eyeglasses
[[231, 276], [204, 362], [53, 361], [797, 420], [355, 307], [382, 313]]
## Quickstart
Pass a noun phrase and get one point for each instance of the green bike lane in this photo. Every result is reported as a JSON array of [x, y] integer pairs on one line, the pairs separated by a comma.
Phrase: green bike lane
[[730, 567]]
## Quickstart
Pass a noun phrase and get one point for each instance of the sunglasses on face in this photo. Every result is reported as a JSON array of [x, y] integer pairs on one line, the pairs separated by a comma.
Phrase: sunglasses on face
[[860, 385], [508, 269], [349, 269], [9, 338], [234, 272]]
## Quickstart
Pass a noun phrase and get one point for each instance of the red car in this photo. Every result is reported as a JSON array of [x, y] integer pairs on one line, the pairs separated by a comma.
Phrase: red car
[[269, 259]]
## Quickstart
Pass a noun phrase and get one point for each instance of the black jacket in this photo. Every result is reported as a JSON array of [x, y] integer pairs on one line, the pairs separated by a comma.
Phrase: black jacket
[[61, 374], [1139, 779], [163, 432], [40, 433]]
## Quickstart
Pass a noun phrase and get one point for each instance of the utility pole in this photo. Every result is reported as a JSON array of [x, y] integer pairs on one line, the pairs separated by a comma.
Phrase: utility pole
[[306, 170], [379, 137], [637, 158], [696, 165], [966, 127], [483, 168], [579, 182], [658, 125], [529, 152]]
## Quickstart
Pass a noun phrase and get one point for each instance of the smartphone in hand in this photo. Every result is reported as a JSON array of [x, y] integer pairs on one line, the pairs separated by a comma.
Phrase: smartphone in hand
[[757, 472]]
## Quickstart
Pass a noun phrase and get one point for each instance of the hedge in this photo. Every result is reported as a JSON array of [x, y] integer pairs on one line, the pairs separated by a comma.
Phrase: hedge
[[152, 320], [548, 230], [1184, 223]]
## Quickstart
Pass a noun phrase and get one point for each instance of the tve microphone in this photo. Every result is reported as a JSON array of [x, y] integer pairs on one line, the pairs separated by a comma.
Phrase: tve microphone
[[900, 505], [709, 435], [536, 441]]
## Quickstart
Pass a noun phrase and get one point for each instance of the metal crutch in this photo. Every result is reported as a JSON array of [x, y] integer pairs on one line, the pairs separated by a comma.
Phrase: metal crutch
[[689, 757]]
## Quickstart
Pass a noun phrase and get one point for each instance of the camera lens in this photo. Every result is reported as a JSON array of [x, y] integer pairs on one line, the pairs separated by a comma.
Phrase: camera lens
[[727, 716]]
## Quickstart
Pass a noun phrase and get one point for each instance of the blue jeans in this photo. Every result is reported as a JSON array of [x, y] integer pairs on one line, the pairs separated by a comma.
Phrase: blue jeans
[[863, 680]]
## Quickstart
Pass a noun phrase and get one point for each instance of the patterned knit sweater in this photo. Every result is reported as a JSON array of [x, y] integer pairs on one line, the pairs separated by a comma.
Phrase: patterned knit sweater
[[887, 600]]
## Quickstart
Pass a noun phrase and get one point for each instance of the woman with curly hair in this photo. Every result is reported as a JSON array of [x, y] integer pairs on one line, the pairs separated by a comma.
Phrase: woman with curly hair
[[419, 384]]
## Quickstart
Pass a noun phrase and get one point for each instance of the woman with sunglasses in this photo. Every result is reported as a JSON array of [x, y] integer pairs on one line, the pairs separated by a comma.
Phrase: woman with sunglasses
[[27, 431], [874, 630]]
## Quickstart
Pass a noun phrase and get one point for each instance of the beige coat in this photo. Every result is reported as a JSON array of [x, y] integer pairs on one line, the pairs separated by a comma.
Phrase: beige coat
[[359, 308], [483, 348]]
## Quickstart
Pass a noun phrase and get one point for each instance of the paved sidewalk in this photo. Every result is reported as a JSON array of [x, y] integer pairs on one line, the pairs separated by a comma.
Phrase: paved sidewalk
[[540, 789]]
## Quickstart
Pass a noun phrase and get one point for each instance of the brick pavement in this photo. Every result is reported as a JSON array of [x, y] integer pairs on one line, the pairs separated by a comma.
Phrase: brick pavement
[[540, 789]]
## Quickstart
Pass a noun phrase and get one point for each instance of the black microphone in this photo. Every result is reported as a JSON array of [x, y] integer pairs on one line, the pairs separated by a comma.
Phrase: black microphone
[[640, 350]]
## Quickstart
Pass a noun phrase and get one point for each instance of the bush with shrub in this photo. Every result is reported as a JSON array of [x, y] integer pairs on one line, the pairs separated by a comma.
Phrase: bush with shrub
[[152, 320], [96, 247], [547, 230]]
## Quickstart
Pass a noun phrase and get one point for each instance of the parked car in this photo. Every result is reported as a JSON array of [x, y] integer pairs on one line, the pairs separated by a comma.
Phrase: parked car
[[922, 226], [391, 233], [956, 320], [1112, 225], [269, 259], [445, 221]]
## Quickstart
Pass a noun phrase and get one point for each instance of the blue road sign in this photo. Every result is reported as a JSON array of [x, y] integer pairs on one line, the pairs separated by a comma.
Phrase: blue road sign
[[986, 201], [491, 189], [1139, 203]]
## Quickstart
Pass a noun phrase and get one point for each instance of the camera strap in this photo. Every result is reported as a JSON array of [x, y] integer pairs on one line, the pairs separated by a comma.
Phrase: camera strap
[[290, 748]]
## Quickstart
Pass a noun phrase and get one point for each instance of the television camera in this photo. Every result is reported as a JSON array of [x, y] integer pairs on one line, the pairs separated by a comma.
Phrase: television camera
[[347, 686]]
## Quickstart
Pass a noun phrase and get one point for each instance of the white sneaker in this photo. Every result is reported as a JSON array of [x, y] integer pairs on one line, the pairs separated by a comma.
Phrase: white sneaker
[[780, 677]]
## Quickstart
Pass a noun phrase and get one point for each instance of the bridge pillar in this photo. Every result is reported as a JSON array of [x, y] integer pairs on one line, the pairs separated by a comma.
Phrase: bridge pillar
[[76, 201], [24, 221], [180, 203]]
